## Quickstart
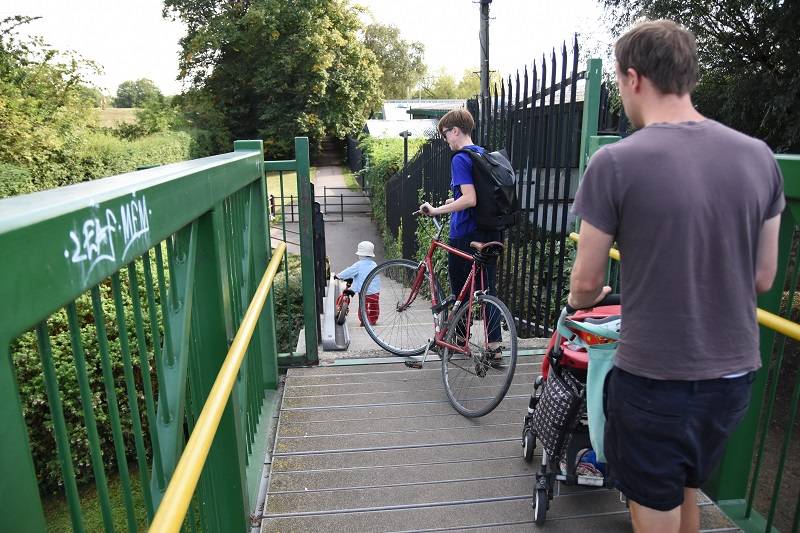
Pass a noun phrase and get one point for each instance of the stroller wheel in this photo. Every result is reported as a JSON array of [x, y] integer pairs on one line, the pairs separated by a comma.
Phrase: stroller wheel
[[528, 445], [540, 506]]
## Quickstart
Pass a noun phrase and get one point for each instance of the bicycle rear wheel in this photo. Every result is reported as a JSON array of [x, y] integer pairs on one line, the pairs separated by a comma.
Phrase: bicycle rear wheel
[[406, 322], [476, 382]]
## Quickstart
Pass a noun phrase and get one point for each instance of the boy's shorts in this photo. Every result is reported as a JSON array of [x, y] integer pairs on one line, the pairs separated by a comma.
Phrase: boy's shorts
[[662, 436]]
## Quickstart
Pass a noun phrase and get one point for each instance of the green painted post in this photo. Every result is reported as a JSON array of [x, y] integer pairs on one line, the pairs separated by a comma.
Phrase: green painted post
[[224, 468], [261, 242], [20, 505], [306, 200], [728, 485], [591, 109]]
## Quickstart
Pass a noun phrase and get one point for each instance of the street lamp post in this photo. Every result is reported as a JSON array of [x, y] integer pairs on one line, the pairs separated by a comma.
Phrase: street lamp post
[[405, 135]]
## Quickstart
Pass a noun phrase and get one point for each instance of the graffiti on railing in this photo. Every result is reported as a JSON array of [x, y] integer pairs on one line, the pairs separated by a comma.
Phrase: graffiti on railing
[[94, 239]]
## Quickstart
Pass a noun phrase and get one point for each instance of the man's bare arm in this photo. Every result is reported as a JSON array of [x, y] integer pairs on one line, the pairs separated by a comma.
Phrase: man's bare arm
[[589, 270], [767, 255]]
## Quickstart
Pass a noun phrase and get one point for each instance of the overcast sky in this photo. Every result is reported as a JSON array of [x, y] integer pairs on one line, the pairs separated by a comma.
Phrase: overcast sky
[[131, 40]]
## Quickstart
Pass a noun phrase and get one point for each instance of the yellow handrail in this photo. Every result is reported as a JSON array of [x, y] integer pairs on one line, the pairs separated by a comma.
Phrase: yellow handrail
[[173, 507], [765, 318]]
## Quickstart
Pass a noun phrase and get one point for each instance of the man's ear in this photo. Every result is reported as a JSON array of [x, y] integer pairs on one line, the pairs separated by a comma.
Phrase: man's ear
[[633, 79]]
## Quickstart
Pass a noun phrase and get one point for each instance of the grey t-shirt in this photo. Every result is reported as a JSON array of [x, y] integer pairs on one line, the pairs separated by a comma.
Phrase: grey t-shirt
[[685, 203]]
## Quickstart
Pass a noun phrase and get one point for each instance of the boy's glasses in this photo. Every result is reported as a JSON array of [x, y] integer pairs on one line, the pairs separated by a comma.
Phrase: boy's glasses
[[446, 131]]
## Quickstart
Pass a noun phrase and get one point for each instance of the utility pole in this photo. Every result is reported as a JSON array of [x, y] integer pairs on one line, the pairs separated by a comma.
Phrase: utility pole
[[484, 38]]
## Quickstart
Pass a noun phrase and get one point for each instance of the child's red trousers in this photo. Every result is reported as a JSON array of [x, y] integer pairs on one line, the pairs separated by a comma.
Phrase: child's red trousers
[[371, 302]]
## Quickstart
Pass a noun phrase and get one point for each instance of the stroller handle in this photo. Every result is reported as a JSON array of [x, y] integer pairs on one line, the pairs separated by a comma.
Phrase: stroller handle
[[611, 299]]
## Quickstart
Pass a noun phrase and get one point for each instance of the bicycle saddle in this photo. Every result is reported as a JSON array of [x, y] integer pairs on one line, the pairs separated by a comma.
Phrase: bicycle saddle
[[489, 249]]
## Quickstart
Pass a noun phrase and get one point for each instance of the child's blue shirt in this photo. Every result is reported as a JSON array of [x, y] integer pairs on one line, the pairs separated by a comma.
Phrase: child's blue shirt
[[358, 271]]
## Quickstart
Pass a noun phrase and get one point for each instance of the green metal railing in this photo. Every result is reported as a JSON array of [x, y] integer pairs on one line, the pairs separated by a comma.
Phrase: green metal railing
[[120, 298], [297, 211], [757, 481], [756, 484]]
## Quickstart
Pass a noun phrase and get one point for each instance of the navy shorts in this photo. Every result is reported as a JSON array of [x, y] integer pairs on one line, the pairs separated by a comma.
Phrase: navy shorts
[[662, 436]]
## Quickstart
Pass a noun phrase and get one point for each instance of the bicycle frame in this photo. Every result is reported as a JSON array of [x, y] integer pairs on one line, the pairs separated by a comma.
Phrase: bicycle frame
[[466, 294]]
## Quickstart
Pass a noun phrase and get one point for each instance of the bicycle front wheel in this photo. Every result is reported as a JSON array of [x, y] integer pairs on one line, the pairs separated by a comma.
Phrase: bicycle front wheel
[[477, 381], [405, 321]]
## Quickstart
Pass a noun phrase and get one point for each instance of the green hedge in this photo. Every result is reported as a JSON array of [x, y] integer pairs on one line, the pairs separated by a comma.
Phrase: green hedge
[[385, 159], [25, 354], [288, 305], [95, 154]]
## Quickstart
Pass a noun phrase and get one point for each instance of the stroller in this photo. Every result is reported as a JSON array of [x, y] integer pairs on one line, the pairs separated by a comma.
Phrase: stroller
[[558, 414]]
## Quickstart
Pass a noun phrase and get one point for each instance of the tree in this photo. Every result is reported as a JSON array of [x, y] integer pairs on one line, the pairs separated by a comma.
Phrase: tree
[[470, 84], [44, 104], [750, 66], [400, 61], [445, 86], [275, 69], [135, 93]]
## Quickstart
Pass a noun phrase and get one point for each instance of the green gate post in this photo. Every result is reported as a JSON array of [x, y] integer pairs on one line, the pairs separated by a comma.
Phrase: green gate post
[[728, 485], [224, 470], [591, 109], [307, 248], [20, 505]]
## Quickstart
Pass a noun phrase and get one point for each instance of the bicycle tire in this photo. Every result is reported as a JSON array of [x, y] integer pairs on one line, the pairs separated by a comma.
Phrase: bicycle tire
[[341, 313], [473, 385], [394, 332]]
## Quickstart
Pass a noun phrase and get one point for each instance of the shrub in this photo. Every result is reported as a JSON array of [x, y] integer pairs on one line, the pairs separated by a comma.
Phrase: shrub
[[385, 158], [25, 353], [15, 180], [288, 305]]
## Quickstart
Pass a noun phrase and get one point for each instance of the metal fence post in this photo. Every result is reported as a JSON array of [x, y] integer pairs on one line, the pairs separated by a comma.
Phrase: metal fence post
[[591, 109], [305, 210], [20, 504], [225, 467], [729, 483]]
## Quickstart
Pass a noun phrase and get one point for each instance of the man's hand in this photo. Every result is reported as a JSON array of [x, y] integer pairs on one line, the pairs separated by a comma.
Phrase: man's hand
[[428, 210], [605, 291]]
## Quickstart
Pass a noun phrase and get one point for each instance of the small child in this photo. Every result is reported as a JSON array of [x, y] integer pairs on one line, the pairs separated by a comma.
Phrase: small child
[[359, 271]]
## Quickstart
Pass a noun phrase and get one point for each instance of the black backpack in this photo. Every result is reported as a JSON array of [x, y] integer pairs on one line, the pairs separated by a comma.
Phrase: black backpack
[[495, 189]]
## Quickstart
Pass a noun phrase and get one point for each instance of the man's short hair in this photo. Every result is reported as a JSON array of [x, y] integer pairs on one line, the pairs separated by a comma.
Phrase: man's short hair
[[458, 118], [663, 52]]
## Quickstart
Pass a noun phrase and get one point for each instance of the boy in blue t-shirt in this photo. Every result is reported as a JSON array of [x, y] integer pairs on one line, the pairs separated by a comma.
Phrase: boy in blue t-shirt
[[456, 127], [359, 271]]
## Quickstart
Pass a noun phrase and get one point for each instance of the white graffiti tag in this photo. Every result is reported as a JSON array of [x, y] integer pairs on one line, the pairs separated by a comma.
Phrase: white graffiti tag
[[93, 241]]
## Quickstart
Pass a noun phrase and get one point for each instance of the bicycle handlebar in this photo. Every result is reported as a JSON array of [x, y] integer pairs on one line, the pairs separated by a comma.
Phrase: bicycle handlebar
[[610, 299]]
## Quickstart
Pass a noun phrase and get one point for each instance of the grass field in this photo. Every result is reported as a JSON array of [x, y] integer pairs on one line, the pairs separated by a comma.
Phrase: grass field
[[111, 116]]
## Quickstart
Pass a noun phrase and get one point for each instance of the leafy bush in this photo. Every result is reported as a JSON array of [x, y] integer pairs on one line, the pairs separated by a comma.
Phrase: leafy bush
[[15, 180], [385, 157], [25, 353], [288, 305]]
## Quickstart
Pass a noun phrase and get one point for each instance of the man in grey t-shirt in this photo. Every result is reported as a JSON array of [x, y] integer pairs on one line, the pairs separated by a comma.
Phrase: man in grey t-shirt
[[694, 207]]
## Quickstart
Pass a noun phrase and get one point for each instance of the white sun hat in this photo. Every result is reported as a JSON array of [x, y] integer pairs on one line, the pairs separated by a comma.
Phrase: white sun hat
[[365, 249]]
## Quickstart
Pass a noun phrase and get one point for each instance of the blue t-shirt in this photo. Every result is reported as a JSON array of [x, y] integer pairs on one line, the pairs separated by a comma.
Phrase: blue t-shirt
[[462, 223], [359, 271]]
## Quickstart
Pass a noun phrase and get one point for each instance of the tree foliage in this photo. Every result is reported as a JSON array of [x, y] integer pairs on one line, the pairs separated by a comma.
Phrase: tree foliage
[[401, 62], [136, 93], [48, 125], [750, 65], [445, 85], [274, 69]]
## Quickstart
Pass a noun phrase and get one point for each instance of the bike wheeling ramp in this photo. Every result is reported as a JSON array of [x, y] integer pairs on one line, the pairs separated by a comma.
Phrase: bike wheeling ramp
[[371, 445]]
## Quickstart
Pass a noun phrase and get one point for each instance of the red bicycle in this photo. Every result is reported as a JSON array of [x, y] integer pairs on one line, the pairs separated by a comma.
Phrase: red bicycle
[[343, 302], [474, 332]]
